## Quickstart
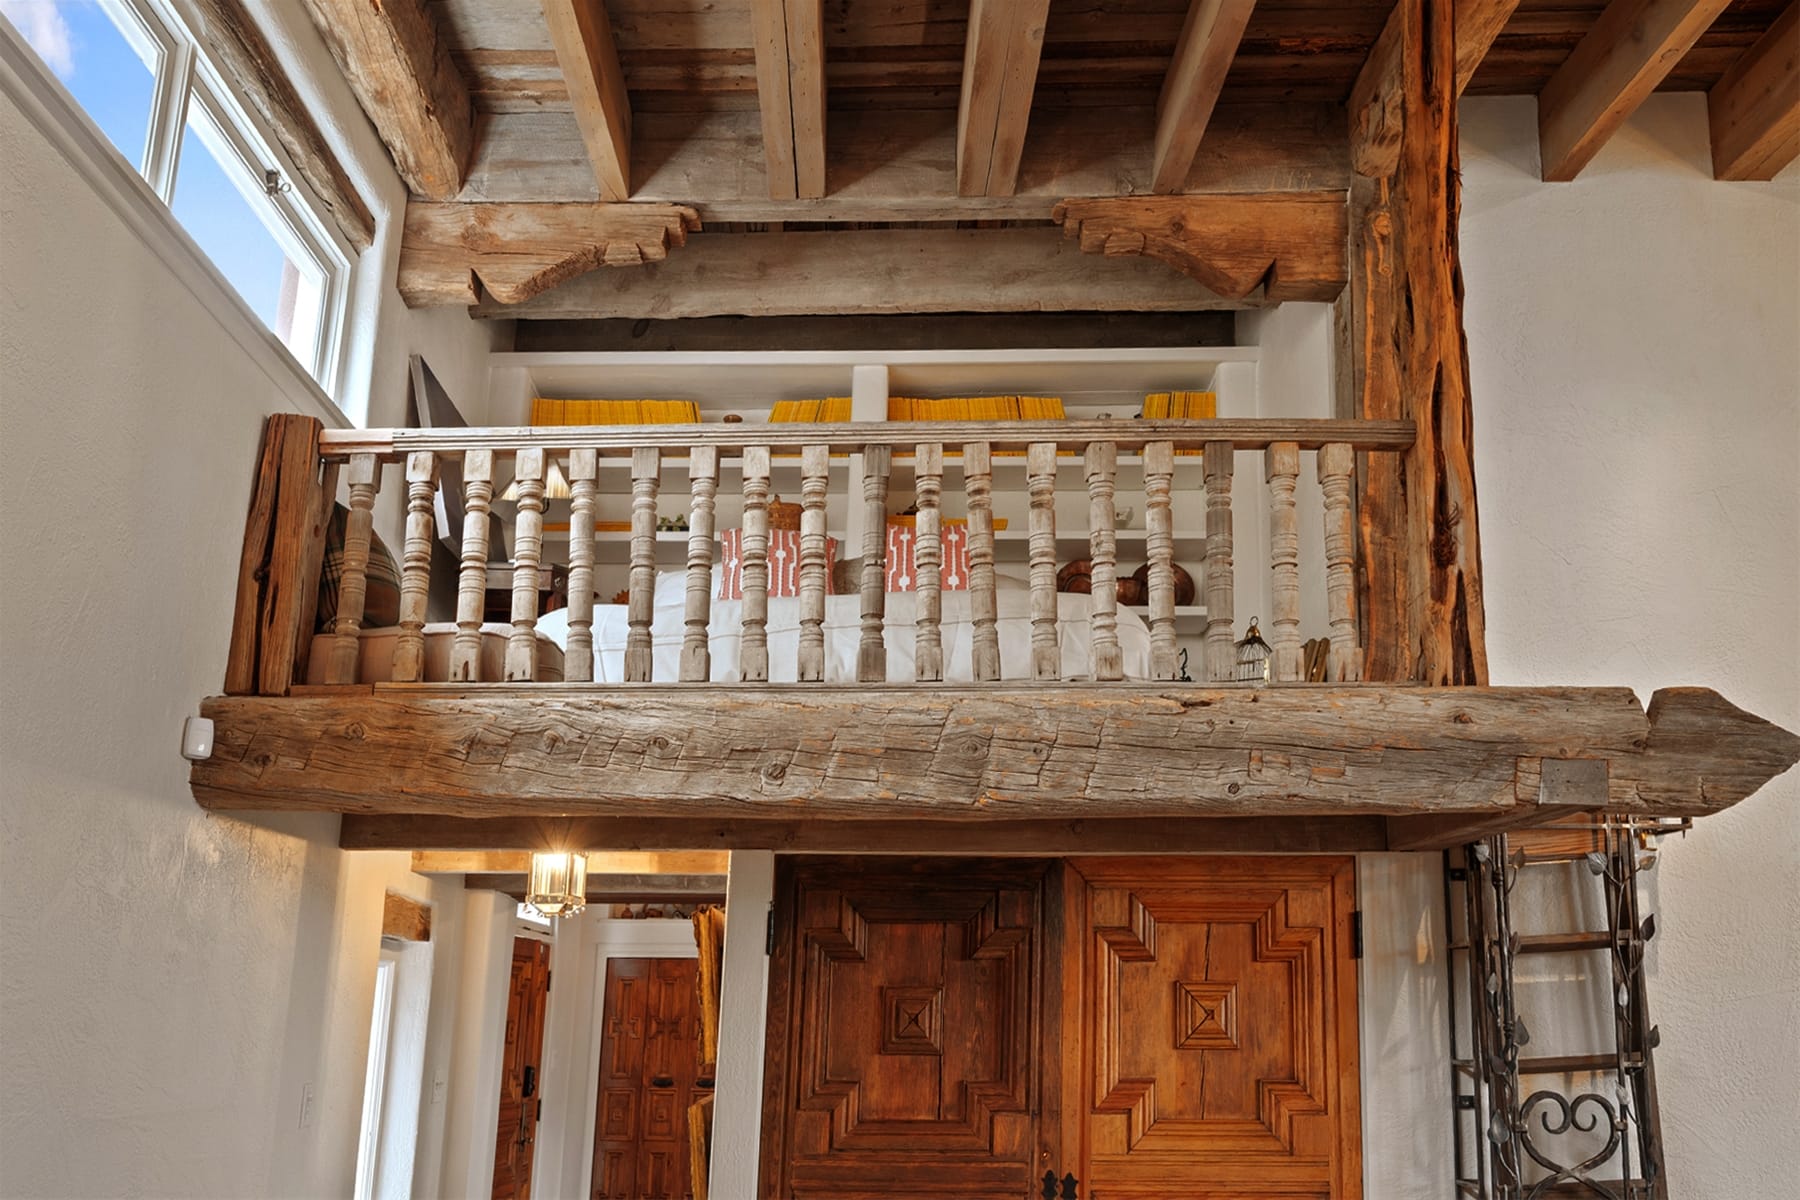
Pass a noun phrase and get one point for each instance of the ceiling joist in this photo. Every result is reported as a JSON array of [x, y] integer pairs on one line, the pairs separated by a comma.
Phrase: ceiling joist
[[582, 34], [790, 88], [999, 77], [1478, 23], [1754, 110], [1209, 42]]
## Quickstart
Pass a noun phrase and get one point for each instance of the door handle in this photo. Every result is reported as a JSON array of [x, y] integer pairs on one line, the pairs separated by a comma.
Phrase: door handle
[[530, 1082], [704, 1083], [662, 1081]]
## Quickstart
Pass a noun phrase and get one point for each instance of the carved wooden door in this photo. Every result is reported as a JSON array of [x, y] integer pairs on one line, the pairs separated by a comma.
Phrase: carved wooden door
[[905, 1020], [1217, 1053], [520, 1069], [649, 1059]]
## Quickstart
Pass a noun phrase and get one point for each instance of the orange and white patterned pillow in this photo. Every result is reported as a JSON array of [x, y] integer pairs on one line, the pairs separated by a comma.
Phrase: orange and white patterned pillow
[[784, 563], [903, 571]]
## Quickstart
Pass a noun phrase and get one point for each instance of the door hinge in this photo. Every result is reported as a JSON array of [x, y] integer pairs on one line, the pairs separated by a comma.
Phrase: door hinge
[[769, 936], [1356, 941], [540, 1111], [547, 975], [1068, 1189]]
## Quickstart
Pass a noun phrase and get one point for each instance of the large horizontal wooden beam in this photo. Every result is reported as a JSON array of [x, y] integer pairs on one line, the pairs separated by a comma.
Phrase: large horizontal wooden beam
[[974, 753], [581, 31], [1754, 111], [502, 860], [616, 889]]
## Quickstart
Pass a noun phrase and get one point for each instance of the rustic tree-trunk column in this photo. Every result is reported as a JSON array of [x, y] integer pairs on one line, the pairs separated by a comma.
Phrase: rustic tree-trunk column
[[584, 483], [753, 569], [1159, 555], [703, 486], [353, 584], [646, 481], [871, 655], [471, 579], [1336, 462], [528, 551], [1040, 482], [415, 566], [1102, 464], [928, 558], [815, 483], [1282, 467], [1221, 574], [984, 611]]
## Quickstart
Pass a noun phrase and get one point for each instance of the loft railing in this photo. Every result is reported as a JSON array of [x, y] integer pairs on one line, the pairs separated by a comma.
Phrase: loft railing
[[363, 458]]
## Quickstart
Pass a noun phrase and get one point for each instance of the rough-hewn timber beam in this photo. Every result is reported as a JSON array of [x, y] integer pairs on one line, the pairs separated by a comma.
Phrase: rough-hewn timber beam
[[999, 76], [790, 88], [582, 34], [1209, 41], [975, 752], [1478, 23], [1754, 110], [616, 889], [599, 861], [401, 72], [1630, 49], [405, 918], [1291, 244], [519, 250]]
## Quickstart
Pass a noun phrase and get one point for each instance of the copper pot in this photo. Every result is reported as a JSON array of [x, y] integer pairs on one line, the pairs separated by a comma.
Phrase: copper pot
[[1184, 584]]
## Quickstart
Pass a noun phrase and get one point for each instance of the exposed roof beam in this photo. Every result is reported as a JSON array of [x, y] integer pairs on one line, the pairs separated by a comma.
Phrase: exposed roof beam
[[1209, 41], [617, 889], [511, 861], [401, 72], [1755, 109], [790, 88], [582, 34], [1478, 23], [1000, 65], [1631, 48]]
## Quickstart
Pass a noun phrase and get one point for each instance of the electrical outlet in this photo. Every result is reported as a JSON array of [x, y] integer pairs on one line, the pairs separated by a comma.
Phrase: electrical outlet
[[306, 1107]]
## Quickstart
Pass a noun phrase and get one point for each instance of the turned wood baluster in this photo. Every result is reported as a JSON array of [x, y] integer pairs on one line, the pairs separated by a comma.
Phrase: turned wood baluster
[[415, 566], [1221, 576], [815, 480], [753, 649], [584, 483], [871, 653], [1102, 466], [471, 579], [646, 478], [1159, 555], [703, 485], [1281, 462], [928, 561], [1336, 463], [528, 555], [353, 583], [1040, 483], [978, 486]]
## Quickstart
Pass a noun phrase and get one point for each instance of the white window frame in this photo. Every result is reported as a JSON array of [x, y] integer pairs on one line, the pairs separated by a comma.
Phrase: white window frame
[[381, 1026]]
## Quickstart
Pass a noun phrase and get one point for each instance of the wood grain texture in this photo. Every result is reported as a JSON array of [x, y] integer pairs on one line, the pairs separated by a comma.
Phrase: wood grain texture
[[582, 33], [1203, 56], [402, 74], [1291, 244], [1101, 466], [789, 40], [753, 646], [1221, 566], [1478, 23], [279, 586], [1281, 470], [984, 602], [815, 483], [1754, 111], [405, 918], [999, 76], [1159, 555], [364, 474], [646, 480], [928, 558], [703, 487], [578, 659], [471, 586], [1336, 463], [259, 533], [1040, 484], [530, 468]]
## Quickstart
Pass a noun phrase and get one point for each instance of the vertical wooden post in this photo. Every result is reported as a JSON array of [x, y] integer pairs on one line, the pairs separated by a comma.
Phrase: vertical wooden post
[[353, 582], [1336, 463], [584, 483], [1102, 466], [871, 652], [1159, 556], [471, 579], [1221, 573], [415, 566], [1040, 483], [753, 648], [984, 607], [703, 485], [646, 479], [1281, 466], [928, 561], [815, 485], [279, 563], [528, 553]]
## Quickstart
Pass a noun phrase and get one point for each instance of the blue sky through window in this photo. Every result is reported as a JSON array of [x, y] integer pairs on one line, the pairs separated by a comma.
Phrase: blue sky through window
[[217, 216], [78, 41]]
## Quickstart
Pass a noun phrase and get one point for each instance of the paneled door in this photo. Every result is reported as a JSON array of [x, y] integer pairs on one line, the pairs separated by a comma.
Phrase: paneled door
[[649, 1059], [516, 1134]]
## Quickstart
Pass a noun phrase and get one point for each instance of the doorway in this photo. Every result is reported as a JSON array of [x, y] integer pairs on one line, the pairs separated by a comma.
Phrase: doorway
[[520, 1070], [649, 1064]]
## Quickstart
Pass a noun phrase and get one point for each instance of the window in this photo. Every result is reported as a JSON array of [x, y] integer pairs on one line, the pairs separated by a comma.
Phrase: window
[[137, 69], [381, 1024]]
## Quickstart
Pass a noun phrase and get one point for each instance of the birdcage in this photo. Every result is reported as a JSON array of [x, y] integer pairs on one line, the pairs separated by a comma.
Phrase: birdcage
[[1253, 657]]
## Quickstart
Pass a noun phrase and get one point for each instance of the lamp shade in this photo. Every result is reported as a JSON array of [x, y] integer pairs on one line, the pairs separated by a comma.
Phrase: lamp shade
[[556, 484], [558, 884]]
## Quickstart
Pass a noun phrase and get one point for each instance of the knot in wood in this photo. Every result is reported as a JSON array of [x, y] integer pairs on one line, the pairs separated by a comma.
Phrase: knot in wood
[[355, 732], [660, 744], [775, 772], [1463, 718], [1234, 789]]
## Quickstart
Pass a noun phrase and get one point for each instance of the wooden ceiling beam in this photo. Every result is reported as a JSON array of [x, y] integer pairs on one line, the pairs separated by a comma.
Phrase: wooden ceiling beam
[[1478, 23], [1630, 49], [790, 87], [402, 74], [999, 76], [1754, 110], [508, 861], [616, 889], [1209, 41], [582, 34]]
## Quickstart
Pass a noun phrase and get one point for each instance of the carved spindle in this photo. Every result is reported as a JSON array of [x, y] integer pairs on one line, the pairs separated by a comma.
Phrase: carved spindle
[[528, 556], [815, 480], [1159, 555], [753, 649], [1282, 467], [703, 485], [1102, 468], [871, 653], [1336, 464], [928, 560], [984, 611], [1221, 578], [415, 566], [646, 478], [584, 482], [353, 584], [471, 579], [1040, 483]]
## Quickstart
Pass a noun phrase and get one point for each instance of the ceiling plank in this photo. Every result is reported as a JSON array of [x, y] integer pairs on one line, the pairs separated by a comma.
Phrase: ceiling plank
[[504, 861], [1755, 109], [1478, 23], [999, 75], [402, 74], [790, 85], [616, 889], [582, 34], [1209, 41], [1631, 47]]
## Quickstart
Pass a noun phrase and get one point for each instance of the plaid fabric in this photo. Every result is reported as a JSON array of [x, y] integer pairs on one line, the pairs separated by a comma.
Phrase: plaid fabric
[[381, 597], [784, 563], [903, 571]]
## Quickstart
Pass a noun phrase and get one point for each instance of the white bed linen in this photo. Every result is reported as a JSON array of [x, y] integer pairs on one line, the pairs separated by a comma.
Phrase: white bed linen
[[843, 635]]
